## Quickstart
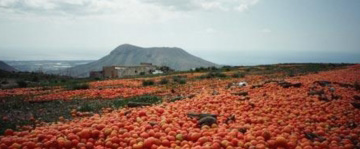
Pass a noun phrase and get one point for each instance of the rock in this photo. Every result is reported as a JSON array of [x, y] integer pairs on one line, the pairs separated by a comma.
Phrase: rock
[[288, 84], [176, 98], [230, 118], [344, 85], [243, 98], [241, 93], [312, 136], [153, 123], [243, 130], [316, 92], [332, 89], [257, 86], [351, 125], [335, 97], [356, 105], [199, 116], [356, 97], [191, 96], [323, 83], [323, 97], [215, 92], [207, 120], [204, 119], [127, 112], [241, 84]]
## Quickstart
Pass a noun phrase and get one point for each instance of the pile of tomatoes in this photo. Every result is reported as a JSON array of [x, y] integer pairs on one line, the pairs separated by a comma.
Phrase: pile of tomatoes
[[272, 117]]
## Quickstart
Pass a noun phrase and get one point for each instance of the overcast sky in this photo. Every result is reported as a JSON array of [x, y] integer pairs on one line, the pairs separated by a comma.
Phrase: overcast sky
[[233, 32]]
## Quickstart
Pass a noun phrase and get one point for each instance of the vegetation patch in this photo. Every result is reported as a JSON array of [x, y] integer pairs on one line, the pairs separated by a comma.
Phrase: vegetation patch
[[148, 82], [213, 74], [238, 75], [164, 81], [78, 86], [181, 79], [16, 111]]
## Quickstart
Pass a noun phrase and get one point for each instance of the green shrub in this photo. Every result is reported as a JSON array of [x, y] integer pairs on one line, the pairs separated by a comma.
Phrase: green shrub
[[213, 74], [148, 82], [5, 82], [22, 84], [35, 79], [238, 75], [164, 81], [357, 86], [177, 78], [78, 86], [182, 81], [291, 73]]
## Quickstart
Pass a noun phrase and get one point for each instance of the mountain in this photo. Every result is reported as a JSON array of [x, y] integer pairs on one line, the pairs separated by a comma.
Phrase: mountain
[[127, 54], [6, 67]]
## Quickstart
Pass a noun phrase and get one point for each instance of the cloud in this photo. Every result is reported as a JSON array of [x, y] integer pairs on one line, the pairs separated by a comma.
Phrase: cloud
[[210, 30], [98, 7], [266, 30], [222, 5], [112, 10]]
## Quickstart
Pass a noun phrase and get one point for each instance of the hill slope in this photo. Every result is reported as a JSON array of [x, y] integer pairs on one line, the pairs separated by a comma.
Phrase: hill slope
[[127, 54], [6, 67]]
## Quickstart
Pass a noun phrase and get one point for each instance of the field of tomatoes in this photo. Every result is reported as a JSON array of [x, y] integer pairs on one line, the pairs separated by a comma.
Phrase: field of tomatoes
[[271, 116], [27, 91], [110, 93], [121, 83]]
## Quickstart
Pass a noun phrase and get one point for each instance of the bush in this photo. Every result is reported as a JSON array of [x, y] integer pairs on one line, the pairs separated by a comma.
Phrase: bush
[[291, 73], [178, 78], [182, 81], [22, 84], [212, 74], [35, 79], [5, 82], [238, 75], [164, 81], [148, 82], [357, 86], [78, 86]]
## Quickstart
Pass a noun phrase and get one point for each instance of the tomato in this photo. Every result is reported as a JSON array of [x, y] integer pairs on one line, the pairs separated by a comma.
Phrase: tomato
[[280, 142], [142, 113], [149, 142], [9, 132], [85, 133], [194, 136]]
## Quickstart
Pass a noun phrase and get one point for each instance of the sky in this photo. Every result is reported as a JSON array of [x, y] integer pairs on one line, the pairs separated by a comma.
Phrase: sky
[[233, 32]]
